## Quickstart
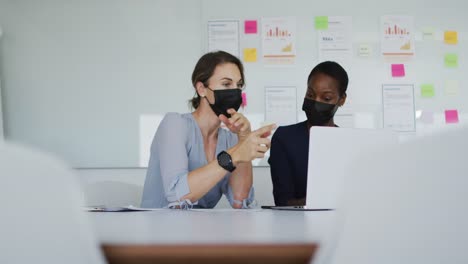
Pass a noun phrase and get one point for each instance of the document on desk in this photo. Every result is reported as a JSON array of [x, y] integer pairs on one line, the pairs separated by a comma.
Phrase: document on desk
[[129, 208]]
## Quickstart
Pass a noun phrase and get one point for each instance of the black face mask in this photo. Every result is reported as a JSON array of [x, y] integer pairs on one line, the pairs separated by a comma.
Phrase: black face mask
[[224, 100], [318, 113]]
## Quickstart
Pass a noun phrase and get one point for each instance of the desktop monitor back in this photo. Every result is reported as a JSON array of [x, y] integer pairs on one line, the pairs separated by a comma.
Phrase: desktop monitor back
[[332, 151]]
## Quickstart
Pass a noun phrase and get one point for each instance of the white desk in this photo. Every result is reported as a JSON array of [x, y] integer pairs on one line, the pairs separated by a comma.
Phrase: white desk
[[239, 236]]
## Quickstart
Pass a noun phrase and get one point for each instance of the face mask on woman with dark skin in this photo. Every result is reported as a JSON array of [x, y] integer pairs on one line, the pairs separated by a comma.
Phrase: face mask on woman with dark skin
[[327, 84], [322, 100]]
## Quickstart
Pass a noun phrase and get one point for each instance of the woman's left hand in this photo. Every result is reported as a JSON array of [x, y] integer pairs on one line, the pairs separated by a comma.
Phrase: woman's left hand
[[237, 124]]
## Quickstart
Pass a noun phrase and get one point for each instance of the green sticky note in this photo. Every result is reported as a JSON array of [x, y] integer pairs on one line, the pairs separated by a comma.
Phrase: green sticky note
[[321, 22], [427, 90], [451, 60]]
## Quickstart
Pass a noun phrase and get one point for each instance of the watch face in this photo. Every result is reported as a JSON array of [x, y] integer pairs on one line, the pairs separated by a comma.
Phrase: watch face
[[224, 159]]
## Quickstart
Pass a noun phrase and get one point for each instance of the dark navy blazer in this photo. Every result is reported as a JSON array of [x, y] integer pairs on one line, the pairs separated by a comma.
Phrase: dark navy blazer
[[288, 162]]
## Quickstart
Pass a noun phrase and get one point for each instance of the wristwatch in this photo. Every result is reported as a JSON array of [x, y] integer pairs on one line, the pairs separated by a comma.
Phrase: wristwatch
[[225, 161]]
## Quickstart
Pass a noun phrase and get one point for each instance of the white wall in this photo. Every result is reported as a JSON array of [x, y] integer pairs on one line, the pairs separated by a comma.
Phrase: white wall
[[116, 187], [83, 72], [86, 71], [1, 112]]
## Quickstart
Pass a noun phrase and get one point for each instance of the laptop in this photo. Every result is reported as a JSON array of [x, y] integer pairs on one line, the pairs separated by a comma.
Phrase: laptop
[[332, 151]]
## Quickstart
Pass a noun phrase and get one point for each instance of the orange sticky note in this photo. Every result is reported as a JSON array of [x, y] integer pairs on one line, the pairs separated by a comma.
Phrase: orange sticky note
[[451, 37], [451, 116], [398, 70], [250, 55]]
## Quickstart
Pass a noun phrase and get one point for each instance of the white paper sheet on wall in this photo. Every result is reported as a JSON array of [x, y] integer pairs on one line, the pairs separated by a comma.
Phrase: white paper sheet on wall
[[281, 105], [397, 36], [398, 107], [335, 42], [224, 35], [279, 40]]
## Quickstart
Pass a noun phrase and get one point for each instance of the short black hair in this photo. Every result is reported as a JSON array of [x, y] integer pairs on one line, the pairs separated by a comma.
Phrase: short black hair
[[333, 70]]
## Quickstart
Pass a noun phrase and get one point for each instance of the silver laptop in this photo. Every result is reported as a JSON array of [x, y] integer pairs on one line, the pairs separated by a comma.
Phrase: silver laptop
[[332, 151]]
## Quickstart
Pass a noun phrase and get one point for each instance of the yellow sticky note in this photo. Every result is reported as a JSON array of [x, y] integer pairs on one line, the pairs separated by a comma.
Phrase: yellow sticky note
[[321, 22], [451, 37], [427, 90], [250, 55], [451, 60]]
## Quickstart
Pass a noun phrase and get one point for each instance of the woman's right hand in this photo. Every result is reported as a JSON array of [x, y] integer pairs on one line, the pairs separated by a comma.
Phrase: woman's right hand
[[255, 145]]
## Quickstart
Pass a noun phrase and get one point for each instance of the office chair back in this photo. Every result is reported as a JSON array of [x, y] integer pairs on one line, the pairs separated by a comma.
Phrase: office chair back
[[42, 220]]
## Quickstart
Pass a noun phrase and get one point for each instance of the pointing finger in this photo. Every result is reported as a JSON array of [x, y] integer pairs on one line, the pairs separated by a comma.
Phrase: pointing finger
[[264, 130]]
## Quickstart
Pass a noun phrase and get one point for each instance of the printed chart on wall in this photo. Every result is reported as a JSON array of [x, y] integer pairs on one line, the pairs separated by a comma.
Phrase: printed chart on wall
[[398, 107], [279, 40], [224, 35], [397, 36], [335, 41], [280, 105]]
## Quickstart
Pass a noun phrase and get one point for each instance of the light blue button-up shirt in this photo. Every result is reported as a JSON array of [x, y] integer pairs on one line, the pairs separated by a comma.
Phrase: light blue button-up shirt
[[176, 150]]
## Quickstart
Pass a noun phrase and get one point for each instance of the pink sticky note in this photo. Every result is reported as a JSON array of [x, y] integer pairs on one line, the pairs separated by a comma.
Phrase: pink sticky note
[[398, 70], [451, 116], [244, 100], [250, 26]]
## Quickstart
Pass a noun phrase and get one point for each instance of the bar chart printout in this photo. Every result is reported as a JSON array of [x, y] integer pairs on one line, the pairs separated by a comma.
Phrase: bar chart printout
[[279, 40], [397, 36]]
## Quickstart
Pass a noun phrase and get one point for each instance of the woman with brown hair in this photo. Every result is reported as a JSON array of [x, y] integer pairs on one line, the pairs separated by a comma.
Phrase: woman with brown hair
[[193, 160]]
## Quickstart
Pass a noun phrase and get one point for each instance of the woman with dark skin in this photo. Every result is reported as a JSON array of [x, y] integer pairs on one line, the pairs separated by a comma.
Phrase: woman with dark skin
[[326, 91]]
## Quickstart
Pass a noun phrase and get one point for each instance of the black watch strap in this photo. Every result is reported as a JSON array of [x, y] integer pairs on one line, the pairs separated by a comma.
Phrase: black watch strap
[[225, 161]]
